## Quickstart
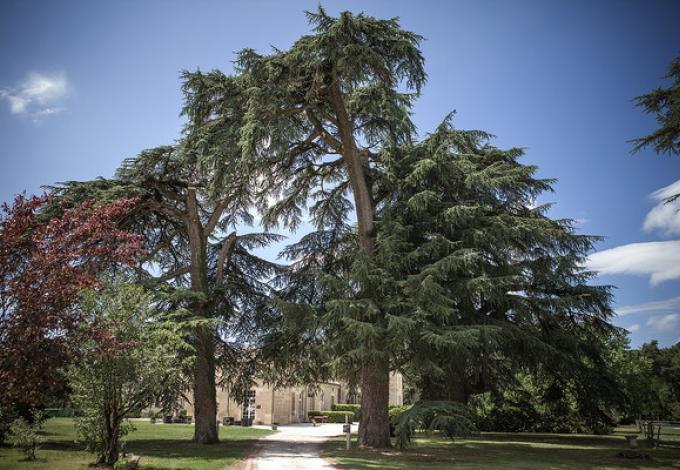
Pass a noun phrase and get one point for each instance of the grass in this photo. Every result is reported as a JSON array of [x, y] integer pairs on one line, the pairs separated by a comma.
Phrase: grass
[[507, 451], [161, 447]]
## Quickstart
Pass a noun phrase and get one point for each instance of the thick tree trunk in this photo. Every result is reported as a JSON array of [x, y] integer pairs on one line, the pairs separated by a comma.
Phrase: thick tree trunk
[[374, 427], [205, 400]]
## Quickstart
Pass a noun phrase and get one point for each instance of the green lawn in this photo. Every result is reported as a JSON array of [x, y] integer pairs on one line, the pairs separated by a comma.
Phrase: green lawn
[[506, 451], [161, 446]]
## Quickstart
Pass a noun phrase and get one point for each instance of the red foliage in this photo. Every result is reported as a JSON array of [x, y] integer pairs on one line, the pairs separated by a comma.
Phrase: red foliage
[[43, 267]]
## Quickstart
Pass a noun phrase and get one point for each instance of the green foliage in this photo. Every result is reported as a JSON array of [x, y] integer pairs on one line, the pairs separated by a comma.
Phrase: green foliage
[[314, 413], [396, 410], [452, 419], [664, 103], [355, 409], [25, 434], [470, 281], [338, 416], [651, 380], [128, 361], [476, 281]]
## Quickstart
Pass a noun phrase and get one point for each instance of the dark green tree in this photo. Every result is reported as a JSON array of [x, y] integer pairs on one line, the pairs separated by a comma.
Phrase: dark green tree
[[485, 283], [315, 118], [193, 198]]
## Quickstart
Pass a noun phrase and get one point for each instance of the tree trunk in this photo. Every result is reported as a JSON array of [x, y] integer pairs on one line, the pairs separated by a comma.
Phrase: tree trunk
[[205, 400], [111, 445], [374, 427]]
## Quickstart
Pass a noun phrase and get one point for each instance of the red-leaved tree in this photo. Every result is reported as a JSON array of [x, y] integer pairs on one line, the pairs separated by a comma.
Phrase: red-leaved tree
[[45, 262]]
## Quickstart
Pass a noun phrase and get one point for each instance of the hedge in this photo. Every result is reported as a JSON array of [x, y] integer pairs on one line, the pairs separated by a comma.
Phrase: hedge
[[355, 409], [397, 410], [338, 416], [313, 413]]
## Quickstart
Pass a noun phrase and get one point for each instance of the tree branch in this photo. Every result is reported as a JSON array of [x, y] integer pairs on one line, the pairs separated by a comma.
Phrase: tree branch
[[215, 217], [225, 252], [332, 141]]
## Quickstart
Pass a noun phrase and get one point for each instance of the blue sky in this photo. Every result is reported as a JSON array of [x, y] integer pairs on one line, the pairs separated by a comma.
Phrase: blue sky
[[85, 84]]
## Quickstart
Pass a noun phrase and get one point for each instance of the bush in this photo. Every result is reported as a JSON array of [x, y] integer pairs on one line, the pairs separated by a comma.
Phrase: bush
[[356, 409], [314, 413], [338, 416], [397, 410], [24, 434]]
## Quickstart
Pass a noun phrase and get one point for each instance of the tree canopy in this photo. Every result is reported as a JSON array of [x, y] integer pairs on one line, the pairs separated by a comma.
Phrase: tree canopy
[[44, 265]]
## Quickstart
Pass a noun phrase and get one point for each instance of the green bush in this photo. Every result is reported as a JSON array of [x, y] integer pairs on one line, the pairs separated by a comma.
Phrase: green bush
[[25, 435], [338, 416], [314, 413], [397, 410], [356, 409]]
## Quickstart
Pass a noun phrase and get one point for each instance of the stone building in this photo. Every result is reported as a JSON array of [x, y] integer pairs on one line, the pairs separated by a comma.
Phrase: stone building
[[266, 405]]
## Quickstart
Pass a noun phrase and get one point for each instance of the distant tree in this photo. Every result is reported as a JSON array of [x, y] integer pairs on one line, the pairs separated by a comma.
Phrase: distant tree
[[129, 359], [651, 380], [664, 103], [45, 262]]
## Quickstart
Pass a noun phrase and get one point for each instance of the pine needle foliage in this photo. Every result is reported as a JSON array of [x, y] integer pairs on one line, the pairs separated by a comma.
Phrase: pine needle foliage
[[664, 104]]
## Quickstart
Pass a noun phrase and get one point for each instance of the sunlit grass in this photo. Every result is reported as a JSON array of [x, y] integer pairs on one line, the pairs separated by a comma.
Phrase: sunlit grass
[[507, 451], [161, 446]]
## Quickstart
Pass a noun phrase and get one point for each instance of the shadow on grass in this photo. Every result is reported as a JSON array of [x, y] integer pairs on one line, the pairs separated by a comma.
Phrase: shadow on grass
[[180, 454], [184, 449], [504, 451]]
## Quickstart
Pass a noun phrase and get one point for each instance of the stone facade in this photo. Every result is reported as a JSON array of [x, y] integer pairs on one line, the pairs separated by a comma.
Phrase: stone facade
[[266, 405]]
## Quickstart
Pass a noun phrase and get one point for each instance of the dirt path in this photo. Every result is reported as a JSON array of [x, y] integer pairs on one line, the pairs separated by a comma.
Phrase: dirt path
[[294, 447]]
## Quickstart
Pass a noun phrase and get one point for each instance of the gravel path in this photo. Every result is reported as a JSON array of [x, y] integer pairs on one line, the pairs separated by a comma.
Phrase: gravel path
[[294, 447]]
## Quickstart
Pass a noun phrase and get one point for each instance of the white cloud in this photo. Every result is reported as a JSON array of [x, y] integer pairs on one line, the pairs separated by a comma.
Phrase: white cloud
[[665, 322], [656, 306], [634, 328], [37, 95], [665, 216], [659, 260]]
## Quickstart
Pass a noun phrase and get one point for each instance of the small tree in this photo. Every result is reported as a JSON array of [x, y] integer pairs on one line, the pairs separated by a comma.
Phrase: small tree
[[46, 259], [23, 433], [128, 361]]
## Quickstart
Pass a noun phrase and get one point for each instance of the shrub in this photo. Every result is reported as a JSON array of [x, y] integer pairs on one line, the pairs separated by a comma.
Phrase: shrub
[[338, 416], [356, 409], [314, 413], [450, 418], [24, 434], [397, 410]]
